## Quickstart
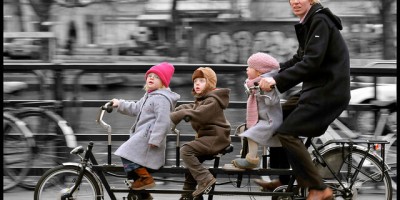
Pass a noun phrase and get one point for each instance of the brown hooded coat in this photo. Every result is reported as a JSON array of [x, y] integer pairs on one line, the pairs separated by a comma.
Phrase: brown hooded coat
[[207, 116]]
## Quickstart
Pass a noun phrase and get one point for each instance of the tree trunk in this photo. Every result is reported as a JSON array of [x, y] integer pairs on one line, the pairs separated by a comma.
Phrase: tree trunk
[[389, 50], [19, 14]]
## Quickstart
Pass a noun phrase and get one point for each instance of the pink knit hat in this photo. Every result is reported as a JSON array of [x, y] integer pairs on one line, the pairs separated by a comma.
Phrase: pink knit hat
[[163, 70], [262, 62]]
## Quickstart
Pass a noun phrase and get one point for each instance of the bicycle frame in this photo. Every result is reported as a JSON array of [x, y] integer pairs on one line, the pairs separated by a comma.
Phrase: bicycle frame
[[90, 164]]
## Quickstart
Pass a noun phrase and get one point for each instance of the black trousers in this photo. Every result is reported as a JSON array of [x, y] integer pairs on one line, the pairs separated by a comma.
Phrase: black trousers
[[294, 153]]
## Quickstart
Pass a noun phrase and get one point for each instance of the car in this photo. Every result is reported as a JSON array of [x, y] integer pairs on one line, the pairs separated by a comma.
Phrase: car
[[24, 48], [363, 92]]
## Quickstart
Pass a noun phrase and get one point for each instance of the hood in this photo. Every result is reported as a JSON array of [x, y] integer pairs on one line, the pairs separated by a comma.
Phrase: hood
[[171, 96], [318, 8], [221, 95]]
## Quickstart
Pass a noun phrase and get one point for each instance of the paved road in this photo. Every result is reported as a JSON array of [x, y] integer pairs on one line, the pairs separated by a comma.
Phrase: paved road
[[22, 194]]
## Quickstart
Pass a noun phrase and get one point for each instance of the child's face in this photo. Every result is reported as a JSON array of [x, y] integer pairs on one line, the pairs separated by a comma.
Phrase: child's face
[[199, 84], [153, 82], [252, 73]]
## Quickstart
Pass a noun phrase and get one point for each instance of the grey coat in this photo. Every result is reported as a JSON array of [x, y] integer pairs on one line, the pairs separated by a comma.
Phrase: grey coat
[[269, 118], [150, 127]]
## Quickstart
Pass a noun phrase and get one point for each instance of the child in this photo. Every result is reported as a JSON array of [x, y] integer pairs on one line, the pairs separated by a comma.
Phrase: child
[[264, 112], [145, 148], [212, 129]]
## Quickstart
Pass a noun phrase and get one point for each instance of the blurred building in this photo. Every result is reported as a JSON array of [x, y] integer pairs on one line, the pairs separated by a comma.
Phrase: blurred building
[[219, 31]]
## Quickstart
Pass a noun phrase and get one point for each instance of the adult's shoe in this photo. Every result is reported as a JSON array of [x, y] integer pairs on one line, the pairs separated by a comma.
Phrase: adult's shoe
[[326, 194]]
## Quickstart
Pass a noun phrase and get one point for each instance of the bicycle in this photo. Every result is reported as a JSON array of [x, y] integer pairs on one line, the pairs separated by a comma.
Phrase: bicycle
[[54, 138], [347, 167], [18, 149]]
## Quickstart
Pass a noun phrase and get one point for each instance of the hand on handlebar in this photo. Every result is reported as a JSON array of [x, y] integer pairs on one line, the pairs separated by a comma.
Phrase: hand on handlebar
[[267, 84], [115, 103]]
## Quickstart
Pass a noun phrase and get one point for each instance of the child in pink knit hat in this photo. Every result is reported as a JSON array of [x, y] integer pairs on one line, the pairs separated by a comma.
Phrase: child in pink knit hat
[[264, 112], [148, 134]]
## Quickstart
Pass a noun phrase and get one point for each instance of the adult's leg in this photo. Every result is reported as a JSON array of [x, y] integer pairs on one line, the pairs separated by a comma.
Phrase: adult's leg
[[299, 158], [279, 160]]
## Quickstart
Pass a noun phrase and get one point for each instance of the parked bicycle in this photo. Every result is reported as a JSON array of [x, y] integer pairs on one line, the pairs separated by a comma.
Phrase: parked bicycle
[[18, 149], [54, 138], [347, 167]]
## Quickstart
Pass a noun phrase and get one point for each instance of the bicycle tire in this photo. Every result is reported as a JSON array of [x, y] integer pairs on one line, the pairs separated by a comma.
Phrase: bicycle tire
[[54, 140], [18, 149], [60, 179], [379, 182]]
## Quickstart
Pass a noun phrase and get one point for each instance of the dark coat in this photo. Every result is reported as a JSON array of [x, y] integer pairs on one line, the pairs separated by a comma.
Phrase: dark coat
[[322, 65], [208, 120]]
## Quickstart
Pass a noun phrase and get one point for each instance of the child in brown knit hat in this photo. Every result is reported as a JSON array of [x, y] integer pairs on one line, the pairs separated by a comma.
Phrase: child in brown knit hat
[[264, 112], [212, 129]]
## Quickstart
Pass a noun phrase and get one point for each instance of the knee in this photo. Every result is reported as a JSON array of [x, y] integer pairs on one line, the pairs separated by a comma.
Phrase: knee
[[285, 139], [184, 151]]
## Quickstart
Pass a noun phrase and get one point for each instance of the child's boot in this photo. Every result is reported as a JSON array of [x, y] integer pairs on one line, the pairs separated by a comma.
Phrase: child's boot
[[204, 186], [190, 185], [246, 163], [145, 180]]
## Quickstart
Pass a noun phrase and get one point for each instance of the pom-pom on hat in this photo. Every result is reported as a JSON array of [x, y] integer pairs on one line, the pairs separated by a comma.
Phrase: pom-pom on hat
[[163, 70], [262, 62]]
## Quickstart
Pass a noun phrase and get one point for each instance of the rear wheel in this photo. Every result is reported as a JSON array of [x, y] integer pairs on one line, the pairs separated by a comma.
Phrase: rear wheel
[[60, 180], [369, 178]]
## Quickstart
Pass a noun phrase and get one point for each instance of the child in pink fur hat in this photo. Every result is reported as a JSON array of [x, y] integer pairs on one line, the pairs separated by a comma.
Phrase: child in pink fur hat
[[264, 112]]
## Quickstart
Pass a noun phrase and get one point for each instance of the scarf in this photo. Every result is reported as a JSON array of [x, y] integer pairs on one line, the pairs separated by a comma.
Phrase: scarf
[[252, 109]]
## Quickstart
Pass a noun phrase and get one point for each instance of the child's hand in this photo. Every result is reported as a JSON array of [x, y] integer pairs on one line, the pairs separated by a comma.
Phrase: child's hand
[[115, 103]]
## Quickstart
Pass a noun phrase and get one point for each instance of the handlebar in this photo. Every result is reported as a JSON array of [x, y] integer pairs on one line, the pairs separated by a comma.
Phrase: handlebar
[[106, 107], [255, 87]]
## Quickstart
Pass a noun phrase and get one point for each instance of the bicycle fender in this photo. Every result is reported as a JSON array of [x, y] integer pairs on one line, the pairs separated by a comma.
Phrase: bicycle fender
[[335, 161]]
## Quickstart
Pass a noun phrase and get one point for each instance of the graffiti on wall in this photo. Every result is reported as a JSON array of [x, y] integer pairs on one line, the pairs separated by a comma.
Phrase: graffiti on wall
[[236, 47]]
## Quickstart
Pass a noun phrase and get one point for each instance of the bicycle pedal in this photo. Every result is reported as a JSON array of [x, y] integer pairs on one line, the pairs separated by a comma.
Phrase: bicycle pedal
[[128, 183]]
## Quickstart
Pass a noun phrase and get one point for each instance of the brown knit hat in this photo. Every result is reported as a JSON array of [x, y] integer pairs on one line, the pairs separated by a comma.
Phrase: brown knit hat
[[209, 75]]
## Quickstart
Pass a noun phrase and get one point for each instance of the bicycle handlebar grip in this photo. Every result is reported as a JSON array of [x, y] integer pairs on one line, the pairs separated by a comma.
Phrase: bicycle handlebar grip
[[108, 107], [187, 118]]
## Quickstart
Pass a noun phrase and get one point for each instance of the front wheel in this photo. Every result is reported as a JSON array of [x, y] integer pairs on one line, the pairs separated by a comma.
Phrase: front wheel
[[60, 180], [367, 178]]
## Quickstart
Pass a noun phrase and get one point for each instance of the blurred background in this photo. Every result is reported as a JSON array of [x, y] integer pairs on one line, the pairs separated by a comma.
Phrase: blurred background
[[82, 34], [192, 31]]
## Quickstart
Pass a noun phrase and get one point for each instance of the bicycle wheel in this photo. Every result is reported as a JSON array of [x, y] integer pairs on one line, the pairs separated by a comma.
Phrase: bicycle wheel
[[370, 178], [18, 148], [54, 140], [61, 179]]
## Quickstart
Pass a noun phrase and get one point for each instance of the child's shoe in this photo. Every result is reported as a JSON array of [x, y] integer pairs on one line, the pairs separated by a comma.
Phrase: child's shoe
[[204, 187], [246, 163], [232, 167], [145, 180]]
